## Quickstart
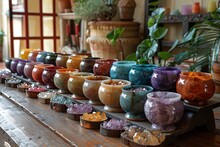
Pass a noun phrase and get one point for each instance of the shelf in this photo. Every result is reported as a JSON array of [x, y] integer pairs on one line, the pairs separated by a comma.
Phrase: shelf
[[193, 115], [184, 18], [69, 16]]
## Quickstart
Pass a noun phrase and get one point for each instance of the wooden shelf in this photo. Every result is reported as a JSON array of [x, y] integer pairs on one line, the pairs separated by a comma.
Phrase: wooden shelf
[[184, 18], [69, 16], [193, 115]]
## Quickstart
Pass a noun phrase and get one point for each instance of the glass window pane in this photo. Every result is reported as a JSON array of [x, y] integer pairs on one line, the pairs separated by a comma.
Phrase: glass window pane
[[18, 26], [17, 5], [34, 43], [18, 46], [34, 26], [58, 26], [48, 6], [34, 6], [48, 26], [48, 45]]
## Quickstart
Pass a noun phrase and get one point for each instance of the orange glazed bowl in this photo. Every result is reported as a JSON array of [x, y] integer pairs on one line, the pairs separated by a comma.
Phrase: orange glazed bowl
[[37, 72], [195, 87]]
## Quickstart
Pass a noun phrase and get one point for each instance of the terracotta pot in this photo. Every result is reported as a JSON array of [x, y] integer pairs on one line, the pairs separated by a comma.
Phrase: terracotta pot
[[74, 61], [28, 69], [91, 88], [100, 46], [48, 76], [109, 94], [61, 78], [20, 67], [37, 72], [75, 84], [126, 9], [63, 4], [195, 87], [61, 59], [216, 71], [32, 55]]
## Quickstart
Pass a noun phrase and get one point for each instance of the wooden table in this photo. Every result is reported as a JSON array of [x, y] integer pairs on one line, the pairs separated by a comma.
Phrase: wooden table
[[29, 122]]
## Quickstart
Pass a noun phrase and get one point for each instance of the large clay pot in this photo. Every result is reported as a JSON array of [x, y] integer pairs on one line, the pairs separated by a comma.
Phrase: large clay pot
[[20, 67], [48, 76], [37, 72], [109, 94], [75, 84], [28, 68], [74, 61], [61, 59], [100, 46], [61, 79], [126, 9]]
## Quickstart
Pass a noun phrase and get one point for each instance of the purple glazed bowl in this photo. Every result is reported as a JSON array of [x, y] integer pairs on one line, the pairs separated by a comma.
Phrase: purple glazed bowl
[[14, 64], [20, 67]]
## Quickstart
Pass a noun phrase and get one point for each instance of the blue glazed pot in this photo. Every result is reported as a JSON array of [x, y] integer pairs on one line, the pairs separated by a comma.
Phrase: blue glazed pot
[[141, 74], [132, 101], [120, 69], [165, 78], [41, 57]]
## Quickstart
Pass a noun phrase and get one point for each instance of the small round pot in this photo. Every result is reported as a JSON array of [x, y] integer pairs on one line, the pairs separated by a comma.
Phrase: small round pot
[[86, 65], [20, 67], [61, 59], [91, 88], [51, 58], [61, 78], [103, 66], [195, 87], [75, 84], [163, 110], [8, 63], [74, 61], [28, 68], [109, 94], [165, 78], [41, 57], [132, 101], [48, 76], [32, 55], [37, 72], [14, 63], [141, 74], [24, 53], [120, 69]]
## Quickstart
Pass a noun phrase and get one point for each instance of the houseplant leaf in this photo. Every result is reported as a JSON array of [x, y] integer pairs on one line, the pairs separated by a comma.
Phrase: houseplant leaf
[[159, 33], [115, 34]]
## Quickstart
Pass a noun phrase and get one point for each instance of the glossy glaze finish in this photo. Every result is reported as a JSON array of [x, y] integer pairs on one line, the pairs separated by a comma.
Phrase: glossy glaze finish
[[103, 66], [41, 57], [86, 65], [75, 84], [33, 55], [24, 53], [51, 58], [8, 63], [48, 76], [163, 110], [61, 59], [91, 88], [61, 78], [74, 61], [14, 63], [20, 67], [121, 69], [195, 87], [132, 101], [141, 74], [109, 94], [37, 72], [165, 78], [28, 68]]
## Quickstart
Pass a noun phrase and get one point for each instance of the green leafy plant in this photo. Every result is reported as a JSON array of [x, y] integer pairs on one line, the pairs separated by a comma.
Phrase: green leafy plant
[[148, 48], [202, 43], [95, 9]]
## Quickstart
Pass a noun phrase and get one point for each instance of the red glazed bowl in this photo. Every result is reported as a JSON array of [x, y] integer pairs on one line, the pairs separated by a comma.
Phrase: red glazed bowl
[[48, 76], [32, 55], [195, 87], [37, 72]]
